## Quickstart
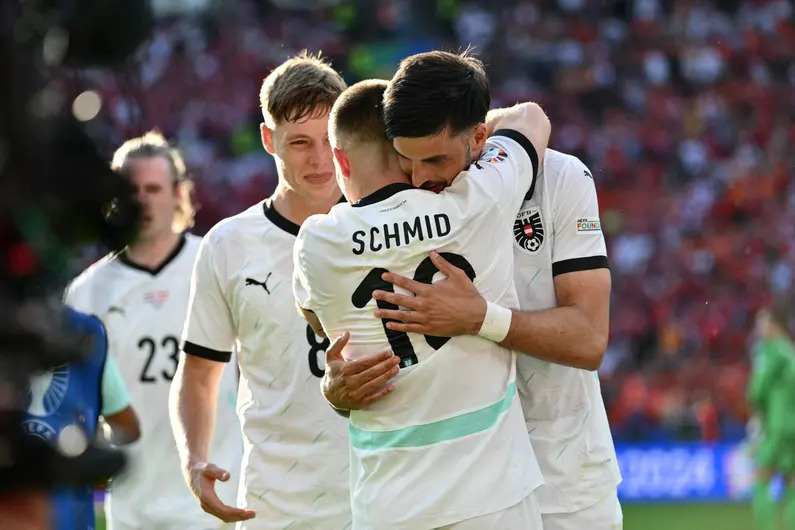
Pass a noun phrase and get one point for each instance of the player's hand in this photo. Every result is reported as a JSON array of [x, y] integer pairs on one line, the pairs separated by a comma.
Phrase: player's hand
[[351, 385], [447, 308], [202, 481]]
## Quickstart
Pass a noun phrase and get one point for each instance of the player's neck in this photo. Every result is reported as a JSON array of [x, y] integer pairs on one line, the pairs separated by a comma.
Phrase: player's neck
[[370, 186], [369, 175], [296, 208], [151, 253]]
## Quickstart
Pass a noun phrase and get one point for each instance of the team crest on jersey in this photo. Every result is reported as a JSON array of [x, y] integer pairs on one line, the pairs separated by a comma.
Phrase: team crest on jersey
[[39, 429], [46, 391], [528, 230], [493, 155], [156, 298]]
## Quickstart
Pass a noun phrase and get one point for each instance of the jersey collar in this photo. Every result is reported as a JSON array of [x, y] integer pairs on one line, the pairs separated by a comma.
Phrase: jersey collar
[[125, 259], [278, 219], [281, 221], [383, 193]]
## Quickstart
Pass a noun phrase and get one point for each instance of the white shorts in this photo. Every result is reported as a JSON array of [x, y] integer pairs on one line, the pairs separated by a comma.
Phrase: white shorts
[[522, 516], [604, 515]]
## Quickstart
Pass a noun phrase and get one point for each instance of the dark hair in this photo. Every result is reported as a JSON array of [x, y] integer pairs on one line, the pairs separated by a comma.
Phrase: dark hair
[[357, 116], [434, 90], [302, 87]]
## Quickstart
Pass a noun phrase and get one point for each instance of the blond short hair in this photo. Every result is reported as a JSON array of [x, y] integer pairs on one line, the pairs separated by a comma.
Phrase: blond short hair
[[357, 117], [305, 86], [152, 145]]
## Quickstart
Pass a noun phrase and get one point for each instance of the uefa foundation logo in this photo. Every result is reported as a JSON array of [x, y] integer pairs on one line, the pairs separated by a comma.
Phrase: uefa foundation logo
[[528, 230], [46, 394]]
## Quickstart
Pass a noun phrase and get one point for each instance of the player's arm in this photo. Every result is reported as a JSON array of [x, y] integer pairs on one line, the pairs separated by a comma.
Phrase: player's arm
[[528, 119], [117, 412], [765, 370], [346, 385], [511, 157], [574, 333], [192, 403], [209, 338], [304, 289]]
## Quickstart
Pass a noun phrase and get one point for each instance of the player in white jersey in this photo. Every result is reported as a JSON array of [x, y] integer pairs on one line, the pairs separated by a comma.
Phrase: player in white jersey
[[558, 238], [563, 284], [141, 294], [454, 414], [295, 463]]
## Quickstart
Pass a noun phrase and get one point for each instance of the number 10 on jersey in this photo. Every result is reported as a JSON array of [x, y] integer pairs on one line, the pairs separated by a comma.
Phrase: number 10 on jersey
[[399, 340]]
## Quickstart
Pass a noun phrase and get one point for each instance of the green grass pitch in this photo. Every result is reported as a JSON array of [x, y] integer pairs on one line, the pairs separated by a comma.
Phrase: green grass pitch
[[660, 517], [687, 517]]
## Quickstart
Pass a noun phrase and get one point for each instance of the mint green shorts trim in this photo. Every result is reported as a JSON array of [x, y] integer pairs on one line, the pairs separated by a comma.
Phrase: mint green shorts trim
[[435, 432]]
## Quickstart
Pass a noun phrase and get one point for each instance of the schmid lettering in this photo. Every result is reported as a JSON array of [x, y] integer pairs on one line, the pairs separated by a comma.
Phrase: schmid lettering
[[393, 235]]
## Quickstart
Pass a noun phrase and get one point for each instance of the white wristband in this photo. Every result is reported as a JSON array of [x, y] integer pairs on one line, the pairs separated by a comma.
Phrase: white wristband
[[496, 323]]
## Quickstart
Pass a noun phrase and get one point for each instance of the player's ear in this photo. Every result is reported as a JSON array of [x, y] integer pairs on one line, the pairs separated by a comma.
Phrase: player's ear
[[478, 138], [267, 138], [343, 163]]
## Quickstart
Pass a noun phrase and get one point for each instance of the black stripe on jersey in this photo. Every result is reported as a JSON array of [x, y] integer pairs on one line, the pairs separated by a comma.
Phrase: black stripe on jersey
[[281, 221], [383, 194], [278, 219], [527, 145], [206, 353], [579, 264], [124, 258]]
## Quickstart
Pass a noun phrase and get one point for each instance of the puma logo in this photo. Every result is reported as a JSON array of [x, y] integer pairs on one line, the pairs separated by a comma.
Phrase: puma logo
[[264, 285]]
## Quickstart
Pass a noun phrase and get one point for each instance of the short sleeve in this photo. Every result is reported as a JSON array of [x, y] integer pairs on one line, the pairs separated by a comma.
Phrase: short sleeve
[[209, 327], [578, 243], [514, 159], [115, 397], [76, 297]]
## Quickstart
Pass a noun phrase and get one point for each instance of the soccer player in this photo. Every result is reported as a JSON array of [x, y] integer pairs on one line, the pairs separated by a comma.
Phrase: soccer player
[[64, 408], [563, 283], [141, 294], [448, 447], [295, 447], [771, 393]]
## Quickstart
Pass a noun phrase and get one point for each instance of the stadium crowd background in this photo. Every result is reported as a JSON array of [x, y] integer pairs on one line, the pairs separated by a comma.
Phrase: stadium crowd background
[[684, 110]]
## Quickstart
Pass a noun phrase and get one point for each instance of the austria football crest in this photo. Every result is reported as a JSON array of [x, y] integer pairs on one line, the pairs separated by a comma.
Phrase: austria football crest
[[528, 230]]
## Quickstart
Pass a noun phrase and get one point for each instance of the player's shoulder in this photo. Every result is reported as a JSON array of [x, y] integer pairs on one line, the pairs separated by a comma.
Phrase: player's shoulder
[[85, 322], [321, 226], [565, 166], [192, 243], [508, 143], [94, 273], [231, 228], [316, 222]]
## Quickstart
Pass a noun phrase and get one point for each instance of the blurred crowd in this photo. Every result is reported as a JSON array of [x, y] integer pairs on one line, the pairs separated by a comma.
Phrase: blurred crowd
[[683, 109]]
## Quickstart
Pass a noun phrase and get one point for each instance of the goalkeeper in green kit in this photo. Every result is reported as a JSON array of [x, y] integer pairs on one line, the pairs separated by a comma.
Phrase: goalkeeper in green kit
[[771, 393]]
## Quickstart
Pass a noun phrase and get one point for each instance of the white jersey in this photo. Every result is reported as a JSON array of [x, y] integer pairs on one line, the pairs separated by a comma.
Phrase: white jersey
[[557, 231], [449, 443], [295, 446], [144, 312]]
